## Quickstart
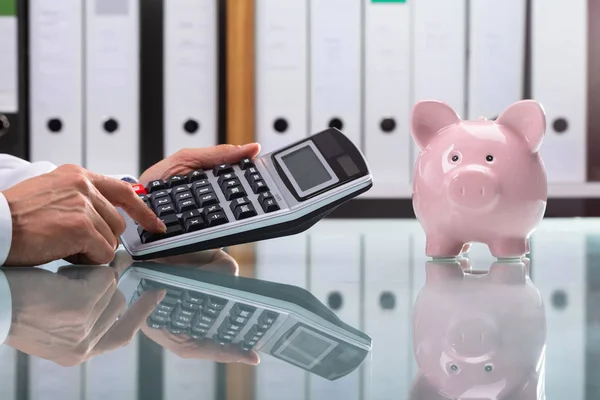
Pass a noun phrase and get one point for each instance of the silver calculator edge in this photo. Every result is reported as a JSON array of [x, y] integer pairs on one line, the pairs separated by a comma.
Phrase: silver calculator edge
[[290, 209], [290, 313]]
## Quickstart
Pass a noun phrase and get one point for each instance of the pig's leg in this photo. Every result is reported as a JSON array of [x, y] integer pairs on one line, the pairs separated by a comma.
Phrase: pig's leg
[[466, 247], [509, 247], [442, 246]]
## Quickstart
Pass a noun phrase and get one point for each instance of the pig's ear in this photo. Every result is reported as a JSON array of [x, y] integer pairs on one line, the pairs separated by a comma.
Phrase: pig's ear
[[526, 118], [428, 117]]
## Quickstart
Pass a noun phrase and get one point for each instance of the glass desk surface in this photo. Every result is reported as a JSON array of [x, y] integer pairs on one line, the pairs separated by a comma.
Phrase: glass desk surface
[[471, 328]]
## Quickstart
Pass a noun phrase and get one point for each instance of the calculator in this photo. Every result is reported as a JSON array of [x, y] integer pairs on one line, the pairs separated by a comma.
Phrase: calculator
[[278, 194], [284, 321]]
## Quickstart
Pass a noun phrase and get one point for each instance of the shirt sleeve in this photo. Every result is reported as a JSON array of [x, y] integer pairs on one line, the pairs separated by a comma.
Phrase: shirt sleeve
[[5, 308]]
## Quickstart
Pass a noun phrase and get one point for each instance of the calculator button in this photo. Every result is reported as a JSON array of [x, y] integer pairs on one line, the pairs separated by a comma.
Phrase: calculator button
[[180, 311], [183, 196], [212, 209], [186, 305], [255, 334], [223, 340], [253, 178], [242, 310], [207, 200], [155, 186], [246, 346], [222, 169], [180, 324], [250, 171], [238, 202], [216, 303], [259, 186], [222, 329], [246, 163], [226, 177], [229, 325], [159, 319], [176, 181], [211, 312], [230, 183], [179, 189], [200, 184], [196, 176], [204, 190], [186, 205], [163, 201], [170, 220], [218, 218], [144, 197], [174, 230], [198, 333], [244, 211], [194, 224], [234, 193], [267, 318], [176, 331], [190, 214], [165, 210], [139, 188], [160, 194], [192, 297], [269, 205]]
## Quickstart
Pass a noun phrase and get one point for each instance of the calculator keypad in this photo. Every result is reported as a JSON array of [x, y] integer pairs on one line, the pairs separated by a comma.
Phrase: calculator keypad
[[203, 316], [192, 202]]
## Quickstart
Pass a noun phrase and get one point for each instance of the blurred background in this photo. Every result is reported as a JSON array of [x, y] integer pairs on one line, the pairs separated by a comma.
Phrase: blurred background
[[116, 85]]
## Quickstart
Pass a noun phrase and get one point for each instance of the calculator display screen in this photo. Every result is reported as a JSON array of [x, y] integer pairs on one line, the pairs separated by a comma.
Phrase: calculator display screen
[[306, 168], [305, 348]]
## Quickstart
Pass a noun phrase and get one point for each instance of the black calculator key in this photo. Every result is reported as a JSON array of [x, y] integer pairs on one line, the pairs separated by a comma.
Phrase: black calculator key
[[223, 330], [246, 346], [222, 169], [223, 340], [194, 224], [226, 177], [200, 184], [183, 196], [144, 197], [263, 196], [155, 186], [244, 211], [212, 209], [253, 178], [179, 189], [216, 303], [270, 205], [186, 305], [208, 200], [204, 321], [198, 333], [155, 325], [204, 190], [180, 324], [246, 163], [211, 312], [176, 331], [190, 214], [242, 310], [165, 210], [192, 297], [174, 230], [218, 218], [176, 181], [163, 201], [180, 311], [170, 220], [160, 319], [230, 183], [230, 325], [238, 202], [267, 318], [250, 171], [159, 194], [196, 176], [234, 193], [259, 186], [186, 205]]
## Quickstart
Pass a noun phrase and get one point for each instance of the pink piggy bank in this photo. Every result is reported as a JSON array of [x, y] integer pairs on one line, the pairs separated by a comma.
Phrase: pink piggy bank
[[479, 181], [479, 336]]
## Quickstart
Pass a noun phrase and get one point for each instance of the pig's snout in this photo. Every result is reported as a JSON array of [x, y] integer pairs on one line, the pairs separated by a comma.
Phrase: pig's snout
[[474, 188]]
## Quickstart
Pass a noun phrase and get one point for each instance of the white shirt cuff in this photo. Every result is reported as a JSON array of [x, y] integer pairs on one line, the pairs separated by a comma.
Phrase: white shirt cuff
[[5, 308], [5, 229]]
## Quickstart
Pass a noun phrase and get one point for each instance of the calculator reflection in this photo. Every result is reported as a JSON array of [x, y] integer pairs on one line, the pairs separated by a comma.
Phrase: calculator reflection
[[478, 334]]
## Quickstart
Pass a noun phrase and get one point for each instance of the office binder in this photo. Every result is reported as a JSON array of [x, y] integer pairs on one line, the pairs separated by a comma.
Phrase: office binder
[[48, 380], [387, 308], [558, 78], [111, 95], [387, 96], [13, 47], [335, 66], [188, 379], [282, 260], [55, 87], [559, 273], [335, 271], [281, 72], [191, 76], [439, 53], [496, 56], [123, 380], [8, 373]]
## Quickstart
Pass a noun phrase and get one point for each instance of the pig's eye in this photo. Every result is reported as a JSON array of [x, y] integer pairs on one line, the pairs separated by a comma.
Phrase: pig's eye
[[488, 368], [455, 158], [489, 158]]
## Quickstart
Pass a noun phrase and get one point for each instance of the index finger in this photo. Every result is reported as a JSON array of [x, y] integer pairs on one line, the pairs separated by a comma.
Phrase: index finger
[[121, 194]]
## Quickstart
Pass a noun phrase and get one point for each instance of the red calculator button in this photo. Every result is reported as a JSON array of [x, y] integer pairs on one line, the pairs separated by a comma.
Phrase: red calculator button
[[139, 188]]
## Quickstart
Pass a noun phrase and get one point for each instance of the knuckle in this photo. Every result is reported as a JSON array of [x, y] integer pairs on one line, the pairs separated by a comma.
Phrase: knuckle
[[80, 182]]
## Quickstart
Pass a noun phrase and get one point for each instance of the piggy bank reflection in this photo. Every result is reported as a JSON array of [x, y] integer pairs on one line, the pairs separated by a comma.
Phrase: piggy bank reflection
[[479, 335]]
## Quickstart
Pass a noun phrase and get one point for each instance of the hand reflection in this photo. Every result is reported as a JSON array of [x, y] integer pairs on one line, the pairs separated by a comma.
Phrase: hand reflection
[[182, 345], [478, 335], [71, 316]]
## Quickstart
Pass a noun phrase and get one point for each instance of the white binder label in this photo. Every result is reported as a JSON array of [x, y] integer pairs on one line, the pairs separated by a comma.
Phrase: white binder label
[[8, 64]]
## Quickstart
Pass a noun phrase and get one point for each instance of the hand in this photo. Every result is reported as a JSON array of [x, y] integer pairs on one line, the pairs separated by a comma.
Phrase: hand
[[186, 160], [70, 213], [185, 346], [71, 316]]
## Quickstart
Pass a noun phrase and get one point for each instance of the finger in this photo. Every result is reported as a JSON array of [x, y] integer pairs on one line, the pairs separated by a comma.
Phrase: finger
[[122, 332], [208, 260], [208, 157], [106, 320], [121, 194], [97, 250], [104, 229], [121, 262], [109, 214]]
